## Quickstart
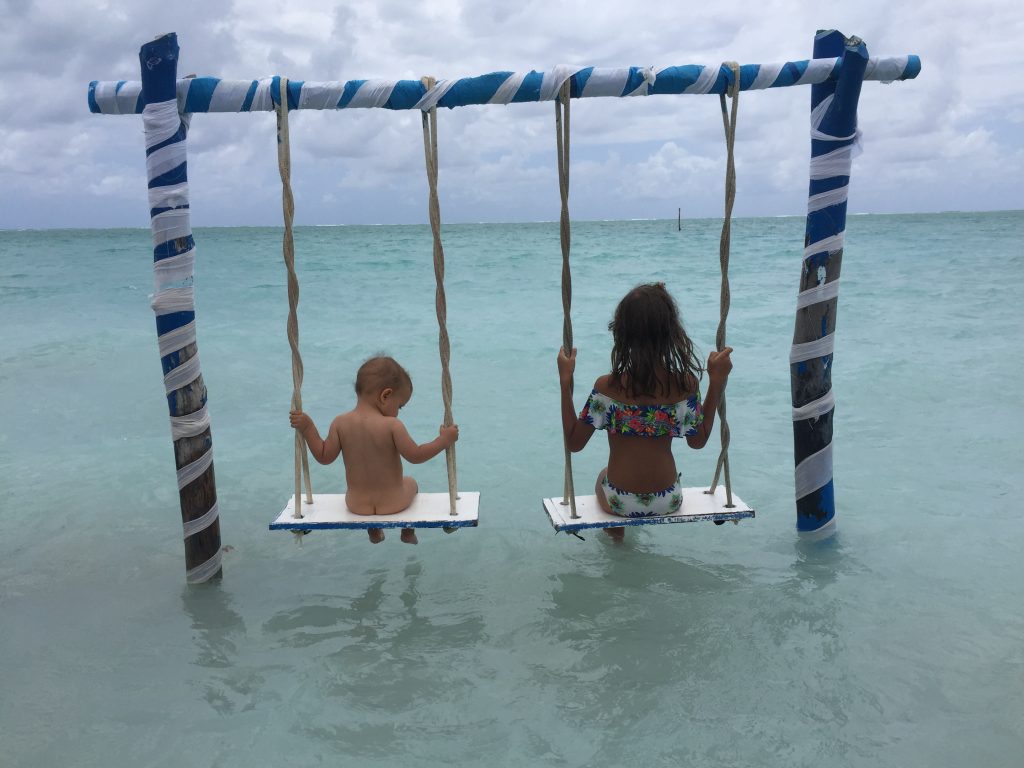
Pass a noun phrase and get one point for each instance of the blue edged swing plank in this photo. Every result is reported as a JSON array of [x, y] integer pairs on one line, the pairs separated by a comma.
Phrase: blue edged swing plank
[[697, 505], [428, 510]]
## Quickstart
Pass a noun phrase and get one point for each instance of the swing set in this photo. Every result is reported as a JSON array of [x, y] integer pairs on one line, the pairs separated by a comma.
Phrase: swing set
[[836, 73]]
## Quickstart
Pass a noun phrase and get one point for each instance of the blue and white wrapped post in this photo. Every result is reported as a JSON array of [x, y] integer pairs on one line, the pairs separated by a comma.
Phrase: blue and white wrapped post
[[174, 306], [834, 140]]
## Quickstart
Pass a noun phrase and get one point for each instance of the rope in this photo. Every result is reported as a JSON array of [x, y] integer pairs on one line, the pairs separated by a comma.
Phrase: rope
[[562, 137], [284, 164], [440, 304], [729, 124]]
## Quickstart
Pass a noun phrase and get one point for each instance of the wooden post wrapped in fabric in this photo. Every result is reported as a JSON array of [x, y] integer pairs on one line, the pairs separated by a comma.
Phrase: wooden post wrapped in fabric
[[174, 306], [833, 141]]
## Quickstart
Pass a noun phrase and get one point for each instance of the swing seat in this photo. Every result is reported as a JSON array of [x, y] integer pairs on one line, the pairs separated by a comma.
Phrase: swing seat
[[428, 510], [697, 505]]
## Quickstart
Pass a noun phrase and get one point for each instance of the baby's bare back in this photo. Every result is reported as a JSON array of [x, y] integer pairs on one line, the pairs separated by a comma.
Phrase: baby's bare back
[[373, 466]]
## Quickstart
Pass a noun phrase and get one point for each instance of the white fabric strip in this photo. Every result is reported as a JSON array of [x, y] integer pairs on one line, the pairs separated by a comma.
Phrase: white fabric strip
[[819, 293], [554, 79], [814, 472], [190, 424], [191, 471], [886, 70], [507, 90], [174, 269], [830, 244], [320, 95], [106, 97], [650, 78], [824, 200], [206, 571], [835, 163], [705, 81], [606, 82], [229, 95], [766, 75], [161, 121], [192, 527], [184, 374], [171, 196], [170, 225], [128, 97], [174, 300], [261, 100], [372, 93], [818, 71], [429, 99], [818, 113], [811, 350], [816, 408], [177, 339], [165, 159]]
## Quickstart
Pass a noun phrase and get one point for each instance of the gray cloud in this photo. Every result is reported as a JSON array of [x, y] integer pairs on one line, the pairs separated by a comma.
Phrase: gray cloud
[[952, 139]]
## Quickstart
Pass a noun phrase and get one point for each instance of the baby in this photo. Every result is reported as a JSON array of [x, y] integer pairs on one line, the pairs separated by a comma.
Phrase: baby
[[373, 442]]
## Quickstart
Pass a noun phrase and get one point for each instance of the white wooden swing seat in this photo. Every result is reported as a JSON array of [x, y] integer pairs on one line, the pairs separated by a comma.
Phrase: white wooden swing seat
[[428, 510], [697, 505]]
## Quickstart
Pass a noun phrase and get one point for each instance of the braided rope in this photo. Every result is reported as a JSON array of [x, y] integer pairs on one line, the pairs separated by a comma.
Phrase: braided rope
[[284, 164], [729, 124], [440, 303], [562, 141]]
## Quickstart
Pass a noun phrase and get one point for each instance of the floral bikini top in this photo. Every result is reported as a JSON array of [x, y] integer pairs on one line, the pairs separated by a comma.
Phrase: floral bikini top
[[678, 420]]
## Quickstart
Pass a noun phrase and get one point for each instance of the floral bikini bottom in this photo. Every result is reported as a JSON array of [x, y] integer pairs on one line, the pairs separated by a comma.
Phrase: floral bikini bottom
[[626, 504]]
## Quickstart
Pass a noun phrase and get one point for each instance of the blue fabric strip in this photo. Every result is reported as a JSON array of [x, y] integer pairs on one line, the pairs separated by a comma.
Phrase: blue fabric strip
[[530, 89], [154, 211], [474, 90], [177, 175], [174, 247], [200, 93], [405, 95], [582, 77], [156, 58], [179, 135], [816, 509], [250, 95], [173, 321], [349, 91], [676, 79], [93, 106]]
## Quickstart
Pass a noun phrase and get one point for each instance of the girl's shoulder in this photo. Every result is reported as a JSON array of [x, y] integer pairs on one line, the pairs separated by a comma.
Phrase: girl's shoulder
[[609, 386]]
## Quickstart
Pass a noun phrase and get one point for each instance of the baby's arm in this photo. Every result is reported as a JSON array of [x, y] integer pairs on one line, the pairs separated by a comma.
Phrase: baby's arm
[[324, 451], [417, 454], [577, 433], [719, 367]]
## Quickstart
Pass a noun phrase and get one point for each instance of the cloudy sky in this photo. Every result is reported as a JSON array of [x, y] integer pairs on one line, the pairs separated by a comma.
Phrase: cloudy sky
[[953, 139]]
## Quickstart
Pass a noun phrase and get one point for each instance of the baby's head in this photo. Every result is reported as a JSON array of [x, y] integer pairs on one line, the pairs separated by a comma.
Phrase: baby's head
[[381, 378]]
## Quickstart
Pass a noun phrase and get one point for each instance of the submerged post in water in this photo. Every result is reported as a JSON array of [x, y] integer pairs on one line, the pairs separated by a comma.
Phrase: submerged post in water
[[833, 140], [174, 306]]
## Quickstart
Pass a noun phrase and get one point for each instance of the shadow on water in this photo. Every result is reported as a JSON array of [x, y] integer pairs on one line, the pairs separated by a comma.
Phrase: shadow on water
[[387, 656], [640, 642], [217, 632]]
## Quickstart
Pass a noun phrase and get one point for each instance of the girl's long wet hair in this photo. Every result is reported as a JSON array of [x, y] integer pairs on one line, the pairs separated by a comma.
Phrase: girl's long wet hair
[[648, 337]]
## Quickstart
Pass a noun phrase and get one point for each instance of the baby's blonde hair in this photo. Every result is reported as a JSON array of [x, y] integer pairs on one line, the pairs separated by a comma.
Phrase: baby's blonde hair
[[381, 372]]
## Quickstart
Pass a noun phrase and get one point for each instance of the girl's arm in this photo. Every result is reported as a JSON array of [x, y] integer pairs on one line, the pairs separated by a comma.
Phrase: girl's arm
[[577, 433], [417, 454], [719, 367], [324, 451]]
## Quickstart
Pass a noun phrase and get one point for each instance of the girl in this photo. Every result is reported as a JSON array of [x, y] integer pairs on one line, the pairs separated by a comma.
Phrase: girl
[[651, 395]]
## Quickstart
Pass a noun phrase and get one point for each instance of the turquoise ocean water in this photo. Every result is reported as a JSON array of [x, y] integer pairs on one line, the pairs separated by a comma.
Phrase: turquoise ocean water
[[899, 642]]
